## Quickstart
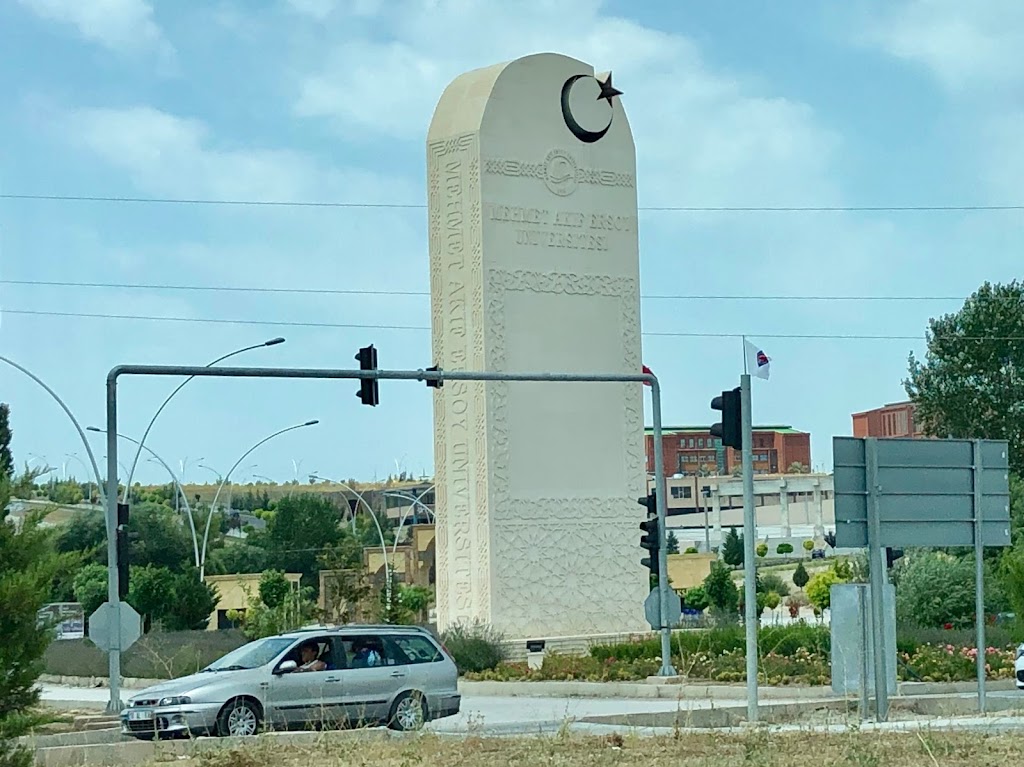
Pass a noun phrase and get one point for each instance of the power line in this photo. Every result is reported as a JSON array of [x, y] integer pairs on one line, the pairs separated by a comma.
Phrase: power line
[[424, 328], [420, 293], [420, 206]]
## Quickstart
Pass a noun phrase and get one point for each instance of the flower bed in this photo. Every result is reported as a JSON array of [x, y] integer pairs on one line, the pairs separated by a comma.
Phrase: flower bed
[[797, 654]]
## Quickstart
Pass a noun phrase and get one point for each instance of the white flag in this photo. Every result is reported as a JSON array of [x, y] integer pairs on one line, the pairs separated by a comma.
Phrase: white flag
[[758, 363]]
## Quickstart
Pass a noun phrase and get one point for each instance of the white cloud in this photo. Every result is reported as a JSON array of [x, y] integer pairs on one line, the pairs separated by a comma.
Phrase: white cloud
[[125, 26], [171, 155], [968, 47]]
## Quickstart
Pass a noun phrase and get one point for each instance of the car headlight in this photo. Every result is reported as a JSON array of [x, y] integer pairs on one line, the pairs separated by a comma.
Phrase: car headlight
[[175, 700]]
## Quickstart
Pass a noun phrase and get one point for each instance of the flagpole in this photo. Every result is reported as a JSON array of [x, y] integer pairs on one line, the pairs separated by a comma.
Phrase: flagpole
[[744, 342]]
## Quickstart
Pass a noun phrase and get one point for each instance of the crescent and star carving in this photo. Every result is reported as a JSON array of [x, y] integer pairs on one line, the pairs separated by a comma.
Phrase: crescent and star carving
[[608, 92]]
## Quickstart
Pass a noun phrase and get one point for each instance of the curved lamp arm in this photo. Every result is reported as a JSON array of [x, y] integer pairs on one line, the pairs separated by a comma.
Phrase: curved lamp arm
[[67, 410], [177, 484], [141, 442], [213, 505]]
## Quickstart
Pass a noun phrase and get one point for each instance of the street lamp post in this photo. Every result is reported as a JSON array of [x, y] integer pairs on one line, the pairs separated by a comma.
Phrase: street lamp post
[[67, 410], [174, 478], [88, 482], [216, 496], [376, 522], [142, 441]]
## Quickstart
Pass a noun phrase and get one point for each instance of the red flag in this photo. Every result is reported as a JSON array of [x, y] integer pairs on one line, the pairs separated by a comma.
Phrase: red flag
[[647, 372]]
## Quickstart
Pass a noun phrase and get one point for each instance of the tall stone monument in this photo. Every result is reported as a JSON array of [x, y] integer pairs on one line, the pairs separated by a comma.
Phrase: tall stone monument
[[534, 267]]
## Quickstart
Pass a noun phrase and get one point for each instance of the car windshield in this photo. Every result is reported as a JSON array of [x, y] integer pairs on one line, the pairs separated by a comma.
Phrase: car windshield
[[252, 655]]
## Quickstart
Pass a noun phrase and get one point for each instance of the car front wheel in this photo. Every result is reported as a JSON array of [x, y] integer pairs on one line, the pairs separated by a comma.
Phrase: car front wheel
[[239, 718]]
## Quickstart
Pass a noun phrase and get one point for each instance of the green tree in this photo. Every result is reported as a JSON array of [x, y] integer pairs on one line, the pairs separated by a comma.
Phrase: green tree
[[416, 600], [238, 558], [90, 587], [971, 382], [274, 588], [151, 592], [85, 532], [671, 543], [818, 589], [800, 576], [732, 548], [302, 527], [772, 600], [28, 565], [761, 550], [721, 591], [784, 548], [162, 540], [192, 603], [6, 458]]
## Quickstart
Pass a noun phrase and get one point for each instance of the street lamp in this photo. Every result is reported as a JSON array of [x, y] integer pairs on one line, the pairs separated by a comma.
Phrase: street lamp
[[138, 452], [67, 410], [174, 478], [209, 518], [88, 482], [376, 522]]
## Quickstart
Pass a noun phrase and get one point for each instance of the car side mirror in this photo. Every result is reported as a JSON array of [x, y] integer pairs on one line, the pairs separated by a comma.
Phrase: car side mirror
[[287, 667]]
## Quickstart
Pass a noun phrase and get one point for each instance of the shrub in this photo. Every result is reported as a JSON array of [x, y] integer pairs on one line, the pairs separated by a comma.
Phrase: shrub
[[936, 589], [691, 550], [819, 589], [696, 599], [784, 548], [732, 548], [771, 600], [808, 546], [800, 576], [475, 647], [762, 549], [773, 582]]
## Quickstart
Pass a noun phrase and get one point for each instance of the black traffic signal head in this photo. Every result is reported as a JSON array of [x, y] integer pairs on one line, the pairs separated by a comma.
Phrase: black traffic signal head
[[369, 392], [891, 555], [730, 428], [650, 540]]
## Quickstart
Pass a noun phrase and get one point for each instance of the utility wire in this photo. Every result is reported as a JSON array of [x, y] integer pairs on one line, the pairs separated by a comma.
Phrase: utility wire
[[420, 206], [418, 293], [424, 328]]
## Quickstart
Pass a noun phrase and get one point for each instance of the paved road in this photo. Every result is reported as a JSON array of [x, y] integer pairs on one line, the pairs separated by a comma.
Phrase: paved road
[[479, 713]]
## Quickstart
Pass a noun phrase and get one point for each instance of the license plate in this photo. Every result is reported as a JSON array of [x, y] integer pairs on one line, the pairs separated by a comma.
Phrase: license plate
[[140, 716]]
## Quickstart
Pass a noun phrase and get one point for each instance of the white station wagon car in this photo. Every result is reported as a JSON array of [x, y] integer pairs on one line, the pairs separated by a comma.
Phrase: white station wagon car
[[320, 677], [1018, 667]]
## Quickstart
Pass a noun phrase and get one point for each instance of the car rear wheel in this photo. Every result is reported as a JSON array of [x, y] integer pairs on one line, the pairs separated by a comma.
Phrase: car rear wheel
[[408, 713], [239, 718]]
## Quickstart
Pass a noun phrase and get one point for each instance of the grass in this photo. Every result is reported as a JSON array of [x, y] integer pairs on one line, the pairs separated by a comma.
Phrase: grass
[[760, 747]]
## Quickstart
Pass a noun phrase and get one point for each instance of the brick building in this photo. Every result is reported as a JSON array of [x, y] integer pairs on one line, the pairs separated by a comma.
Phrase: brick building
[[893, 420], [692, 450]]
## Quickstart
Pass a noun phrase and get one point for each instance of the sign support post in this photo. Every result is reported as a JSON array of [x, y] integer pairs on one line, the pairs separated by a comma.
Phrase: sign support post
[[876, 570], [751, 618], [979, 574]]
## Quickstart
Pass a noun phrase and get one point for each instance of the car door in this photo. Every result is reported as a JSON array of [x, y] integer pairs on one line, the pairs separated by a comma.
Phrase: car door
[[301, 698], [369, 689]]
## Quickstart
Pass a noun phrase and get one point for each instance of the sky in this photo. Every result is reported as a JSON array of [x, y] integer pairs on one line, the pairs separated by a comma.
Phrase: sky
[[846, 106]]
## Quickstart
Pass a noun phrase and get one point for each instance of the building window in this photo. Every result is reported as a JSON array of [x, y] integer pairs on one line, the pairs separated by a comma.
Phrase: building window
[[691, 442], [682, 491], [700, 442]]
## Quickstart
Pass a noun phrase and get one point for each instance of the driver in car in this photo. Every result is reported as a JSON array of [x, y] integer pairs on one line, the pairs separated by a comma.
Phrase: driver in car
[[309, 653]]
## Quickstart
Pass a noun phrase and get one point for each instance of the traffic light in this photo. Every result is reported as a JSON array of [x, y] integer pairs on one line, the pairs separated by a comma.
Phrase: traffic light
[[368, 393], [122, 550], [730, 428], [650, 540]]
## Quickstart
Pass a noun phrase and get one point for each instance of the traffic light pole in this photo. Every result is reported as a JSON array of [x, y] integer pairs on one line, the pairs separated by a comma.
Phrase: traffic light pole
[[752, 619], [664, 590], [433, 378]]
